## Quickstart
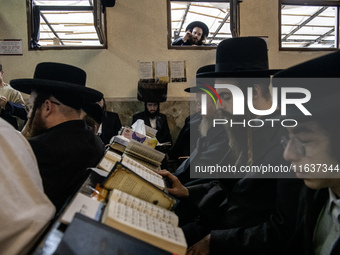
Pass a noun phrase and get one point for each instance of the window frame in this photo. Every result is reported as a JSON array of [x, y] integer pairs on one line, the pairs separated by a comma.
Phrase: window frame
[[234, 22], [99, 24], [309, 3]]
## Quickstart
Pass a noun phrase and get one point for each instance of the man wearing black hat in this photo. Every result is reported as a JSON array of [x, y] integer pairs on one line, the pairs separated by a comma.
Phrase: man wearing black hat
[[257, 214], [152, 94], [195, 34], [64, 146], [312, 146]]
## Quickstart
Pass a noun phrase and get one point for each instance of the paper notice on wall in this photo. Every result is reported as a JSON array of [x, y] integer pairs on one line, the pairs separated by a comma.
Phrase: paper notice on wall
[[162, 70], [177, 71], [10, 47], [145, 70]]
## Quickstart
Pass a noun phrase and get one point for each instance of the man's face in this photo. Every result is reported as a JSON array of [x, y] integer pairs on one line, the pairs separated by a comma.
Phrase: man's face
[[226, 109], [197, 34], [152, 107], [308, 149]]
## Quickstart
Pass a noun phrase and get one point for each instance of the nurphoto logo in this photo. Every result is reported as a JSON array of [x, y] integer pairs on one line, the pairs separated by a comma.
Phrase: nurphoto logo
[[239, 104]]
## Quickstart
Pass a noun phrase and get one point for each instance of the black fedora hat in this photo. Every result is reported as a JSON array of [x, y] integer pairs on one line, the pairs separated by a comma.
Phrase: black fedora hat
[[241, 57], [65, 82], [202, 69], [321, 77], [200, 24]]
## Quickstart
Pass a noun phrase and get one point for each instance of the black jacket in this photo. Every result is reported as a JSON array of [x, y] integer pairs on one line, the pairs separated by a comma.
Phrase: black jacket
[[311, 205], [186, 140], [13, 110], [256, 215], [110, 126], [163, 135], [63, 153]]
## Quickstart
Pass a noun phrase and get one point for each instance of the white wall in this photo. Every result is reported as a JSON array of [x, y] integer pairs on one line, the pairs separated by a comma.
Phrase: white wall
[[137, 31]]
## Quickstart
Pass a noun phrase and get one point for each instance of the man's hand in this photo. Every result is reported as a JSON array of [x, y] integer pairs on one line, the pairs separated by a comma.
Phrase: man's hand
[[200, 248], [177, 189], [187, 36], [3, 102]]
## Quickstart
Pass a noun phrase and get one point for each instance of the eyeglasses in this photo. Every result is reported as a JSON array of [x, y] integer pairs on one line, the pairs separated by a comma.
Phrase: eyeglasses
[[53, 102], [296, 143], [30, 106]]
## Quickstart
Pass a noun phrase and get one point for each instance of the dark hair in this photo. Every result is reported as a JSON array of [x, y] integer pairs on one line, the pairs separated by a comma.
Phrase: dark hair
[[39, 100], [0, 67], [203, 37]]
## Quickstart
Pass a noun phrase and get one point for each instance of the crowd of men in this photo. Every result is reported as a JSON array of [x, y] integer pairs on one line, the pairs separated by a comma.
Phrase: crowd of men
[[294, 212]]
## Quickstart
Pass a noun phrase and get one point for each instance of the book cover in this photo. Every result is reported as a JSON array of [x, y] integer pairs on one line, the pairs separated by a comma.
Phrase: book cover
[[124, 179], [85, 236]]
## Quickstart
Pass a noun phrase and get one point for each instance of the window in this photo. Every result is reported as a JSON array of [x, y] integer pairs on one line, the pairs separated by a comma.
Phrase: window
[[216, 14], [63, 24], [309, 25]]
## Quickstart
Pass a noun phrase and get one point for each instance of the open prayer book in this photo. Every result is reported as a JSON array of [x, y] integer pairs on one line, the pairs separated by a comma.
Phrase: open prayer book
[[144, 172], [145, 221], [126, 180], [145, 155]]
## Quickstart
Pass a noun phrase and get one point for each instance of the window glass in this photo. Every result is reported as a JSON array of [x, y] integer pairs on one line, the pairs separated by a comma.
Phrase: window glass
[[216, 15], [66, 23], [309, 27]]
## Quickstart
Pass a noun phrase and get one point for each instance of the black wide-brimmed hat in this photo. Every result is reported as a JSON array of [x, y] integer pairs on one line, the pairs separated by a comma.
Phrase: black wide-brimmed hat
[[64, 82], [241, 57], [200, 24], [202, 69], [321, 77]]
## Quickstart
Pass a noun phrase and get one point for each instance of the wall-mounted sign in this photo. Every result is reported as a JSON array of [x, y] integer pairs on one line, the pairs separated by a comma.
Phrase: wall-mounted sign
[[10, 47]]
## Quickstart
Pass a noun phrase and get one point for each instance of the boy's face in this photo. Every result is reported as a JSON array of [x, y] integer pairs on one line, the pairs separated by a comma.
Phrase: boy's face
[[308, 149]]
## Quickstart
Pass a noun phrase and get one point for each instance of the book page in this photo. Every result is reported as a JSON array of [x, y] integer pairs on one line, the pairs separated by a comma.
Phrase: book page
[[127, 181], [114, 157], [106, 164], [143, 171], [84, 205], [144, 207], [145, 227], [147, 152]]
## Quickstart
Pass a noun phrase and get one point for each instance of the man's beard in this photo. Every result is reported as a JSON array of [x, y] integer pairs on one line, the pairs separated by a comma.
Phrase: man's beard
[[38, 126], [151, 115], [205, 125], [238, 135]]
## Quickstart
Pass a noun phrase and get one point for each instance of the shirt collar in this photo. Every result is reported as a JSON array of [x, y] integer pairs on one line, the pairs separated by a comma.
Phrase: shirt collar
[[334, 205]]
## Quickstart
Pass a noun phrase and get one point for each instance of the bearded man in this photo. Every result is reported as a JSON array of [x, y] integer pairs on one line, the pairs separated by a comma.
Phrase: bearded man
[[62, 143]]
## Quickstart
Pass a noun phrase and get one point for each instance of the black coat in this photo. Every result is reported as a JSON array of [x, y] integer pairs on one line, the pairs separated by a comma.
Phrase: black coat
[[186, 140], [209, 150], [63, 153], [110, 126], [163, 135], [255, 215], [311, 206], [13, 110]]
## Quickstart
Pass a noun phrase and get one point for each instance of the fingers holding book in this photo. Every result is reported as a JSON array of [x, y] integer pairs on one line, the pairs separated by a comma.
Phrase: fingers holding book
[[177, 188]]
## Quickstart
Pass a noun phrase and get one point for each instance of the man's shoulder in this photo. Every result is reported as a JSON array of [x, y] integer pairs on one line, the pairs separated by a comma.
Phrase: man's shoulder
[[139, 115], [112, 114]]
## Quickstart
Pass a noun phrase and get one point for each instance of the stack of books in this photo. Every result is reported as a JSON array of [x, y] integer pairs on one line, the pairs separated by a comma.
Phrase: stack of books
[[138, 203]]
